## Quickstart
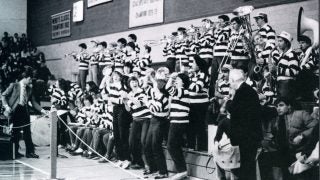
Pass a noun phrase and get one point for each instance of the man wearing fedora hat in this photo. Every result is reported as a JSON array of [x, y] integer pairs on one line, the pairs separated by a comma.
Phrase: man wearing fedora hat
[[287, 66], [265, 30]]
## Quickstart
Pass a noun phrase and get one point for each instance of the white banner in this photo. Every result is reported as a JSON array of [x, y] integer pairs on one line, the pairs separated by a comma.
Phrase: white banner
[[77, 13], [96, 2], [143, 12]]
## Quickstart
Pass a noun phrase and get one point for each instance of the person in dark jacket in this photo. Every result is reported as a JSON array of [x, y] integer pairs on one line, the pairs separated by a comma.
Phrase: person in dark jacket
[[245, 122]]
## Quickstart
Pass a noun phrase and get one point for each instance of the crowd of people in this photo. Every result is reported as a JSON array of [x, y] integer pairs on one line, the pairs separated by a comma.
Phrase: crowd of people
[[248, 84]]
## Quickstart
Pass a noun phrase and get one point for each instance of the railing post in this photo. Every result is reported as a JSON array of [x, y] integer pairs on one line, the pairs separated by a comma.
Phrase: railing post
[[53, 145]]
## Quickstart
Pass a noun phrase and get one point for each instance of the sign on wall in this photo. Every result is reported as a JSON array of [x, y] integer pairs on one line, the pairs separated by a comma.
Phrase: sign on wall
[[77, 12], [96, 2], [143, 12], [60, 25]]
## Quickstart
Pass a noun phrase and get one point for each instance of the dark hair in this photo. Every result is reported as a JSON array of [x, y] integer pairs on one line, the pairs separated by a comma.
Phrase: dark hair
[[28, 72], [93, 87], [131, 44], [129, 65], [185, 79], [104, 44], [148, 48], [83, 45], [63, 84], [286, 41], [133, 36], [237, 20], [305, 39], [122, 41], [132, 78], [89, 98], [224, 17]]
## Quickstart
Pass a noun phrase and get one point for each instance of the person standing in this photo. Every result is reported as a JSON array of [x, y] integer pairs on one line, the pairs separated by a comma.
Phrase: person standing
[[246, 128], [83, 57], [15, 100]]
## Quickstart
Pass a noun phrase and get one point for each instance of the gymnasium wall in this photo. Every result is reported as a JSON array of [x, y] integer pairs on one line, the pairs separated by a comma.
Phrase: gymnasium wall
[[13, 16], [281, 17]]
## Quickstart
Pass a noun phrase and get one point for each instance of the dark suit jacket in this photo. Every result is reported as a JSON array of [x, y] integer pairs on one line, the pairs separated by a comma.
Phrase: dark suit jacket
[[11, 97], [245, 113]]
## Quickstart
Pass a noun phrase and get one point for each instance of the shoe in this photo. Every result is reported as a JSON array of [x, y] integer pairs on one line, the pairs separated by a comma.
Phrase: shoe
[[85, 153], [161, 176], [119, 163], [126, 164], [31, 155], [147, 172], [96, 158], [180, 175], [135, 166], [18, 155], [91, 156], [102, 160]]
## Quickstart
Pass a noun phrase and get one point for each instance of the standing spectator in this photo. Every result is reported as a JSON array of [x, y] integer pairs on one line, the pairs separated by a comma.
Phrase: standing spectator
[[287, 67], [245, 123], [265, 30], [15, 100], [43, 71]]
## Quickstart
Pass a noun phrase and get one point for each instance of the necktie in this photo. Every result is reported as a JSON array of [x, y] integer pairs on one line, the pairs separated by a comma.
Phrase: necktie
[[23, 95]]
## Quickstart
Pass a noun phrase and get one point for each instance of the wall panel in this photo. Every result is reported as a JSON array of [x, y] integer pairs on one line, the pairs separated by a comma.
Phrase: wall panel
[[281, 17], [112, 17]]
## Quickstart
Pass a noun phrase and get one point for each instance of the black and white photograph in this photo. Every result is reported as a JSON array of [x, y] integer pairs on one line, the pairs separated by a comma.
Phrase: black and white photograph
[[159, 89]]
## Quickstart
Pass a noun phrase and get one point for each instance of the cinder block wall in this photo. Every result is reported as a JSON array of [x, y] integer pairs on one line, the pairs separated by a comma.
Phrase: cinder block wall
[[281, 17]]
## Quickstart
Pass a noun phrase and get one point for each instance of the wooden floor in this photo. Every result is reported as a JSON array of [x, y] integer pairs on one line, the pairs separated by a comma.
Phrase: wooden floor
[[71, 168]]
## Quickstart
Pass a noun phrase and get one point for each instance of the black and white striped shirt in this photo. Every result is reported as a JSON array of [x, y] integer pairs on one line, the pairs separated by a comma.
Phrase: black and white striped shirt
[[83, 58], [169, 51], [198, 89], [180, 105], [268, 33], [158, 104], [181, 51], [138, 109], [239, 52], [206, 43], [222, 38], [288, 66]]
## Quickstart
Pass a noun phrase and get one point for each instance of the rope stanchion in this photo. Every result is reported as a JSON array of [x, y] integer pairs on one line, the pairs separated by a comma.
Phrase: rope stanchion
[[124, 170]]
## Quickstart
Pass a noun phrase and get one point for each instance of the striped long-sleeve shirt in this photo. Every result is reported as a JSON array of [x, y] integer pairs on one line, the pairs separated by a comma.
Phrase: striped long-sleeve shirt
[[288, 66], [83, 57], [180, 105], [84, 115], [264, 53], [138, 109], [206, 43], [94, 58], [239, 52], [119, 59], [158, 104], [144, 63], [106, 58], [312, 62], [169, 51], [222, 38], [268, 33], [106, 118], [115, 91], [198, 89], [194, 49], [60, 98], [182, 50]]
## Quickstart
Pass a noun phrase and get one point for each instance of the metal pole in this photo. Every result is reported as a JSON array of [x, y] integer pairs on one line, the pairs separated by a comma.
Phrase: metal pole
[[53, 145]]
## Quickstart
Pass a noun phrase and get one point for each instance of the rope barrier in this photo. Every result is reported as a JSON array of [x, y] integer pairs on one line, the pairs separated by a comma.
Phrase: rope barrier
[[25, 125], [126, 171]]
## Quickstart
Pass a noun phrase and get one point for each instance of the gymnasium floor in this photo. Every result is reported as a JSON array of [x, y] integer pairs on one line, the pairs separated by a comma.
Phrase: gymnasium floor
[[71, 168]]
